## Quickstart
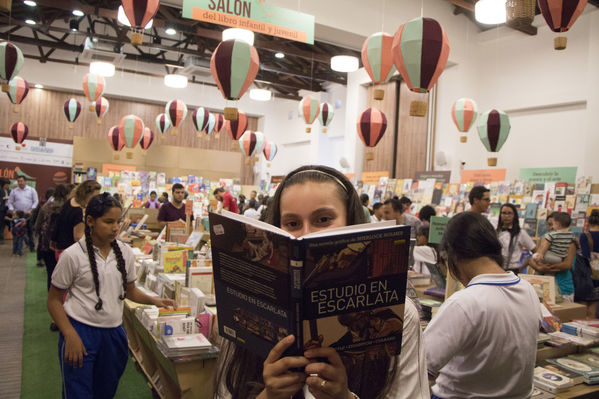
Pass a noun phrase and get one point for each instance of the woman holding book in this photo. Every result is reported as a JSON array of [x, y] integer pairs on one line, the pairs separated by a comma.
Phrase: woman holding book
[[483, 341], [512, 238], [313, 198]]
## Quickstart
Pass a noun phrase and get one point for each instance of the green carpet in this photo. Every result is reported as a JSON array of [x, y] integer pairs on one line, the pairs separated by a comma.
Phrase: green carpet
[[41, 371]]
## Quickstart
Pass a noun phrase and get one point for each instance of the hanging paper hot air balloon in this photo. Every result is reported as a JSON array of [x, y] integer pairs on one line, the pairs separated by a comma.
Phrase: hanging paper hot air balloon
[[131, 130], [139, 13], [72, 109], [309, 108], [378, 60], [93, 86], [210, 126], [176, 110], [463, 113], [420, 52], [114, 138], [19, 132], [219, 124], [560, 15], [18, 88], [11, 61], [199, 117], [326, 115], [101, 108], [493, 129], [238, 127], [251, 144], [146, 139], [234, 66], [269, 151], [371, 126], [162, 124]]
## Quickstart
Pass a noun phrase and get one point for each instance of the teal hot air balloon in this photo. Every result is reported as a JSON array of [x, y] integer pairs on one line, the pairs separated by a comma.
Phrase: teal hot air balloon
[[493, 130], [200, 117], [326, 115], [377, 58], [72, 109], [210, 125], [309, 108], [131, 130], [162, 124], [11, 61]]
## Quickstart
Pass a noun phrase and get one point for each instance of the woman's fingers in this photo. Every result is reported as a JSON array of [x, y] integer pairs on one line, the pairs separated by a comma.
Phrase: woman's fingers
[[277, 351], [282, 366], [327, 352], [286, 381]]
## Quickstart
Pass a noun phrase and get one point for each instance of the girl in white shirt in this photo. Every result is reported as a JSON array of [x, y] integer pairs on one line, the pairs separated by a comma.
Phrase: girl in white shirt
[[512, 238], [310, 199], [98, 272]]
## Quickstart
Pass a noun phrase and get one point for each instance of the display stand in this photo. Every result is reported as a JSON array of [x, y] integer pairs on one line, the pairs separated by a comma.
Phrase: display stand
[[186, 378]]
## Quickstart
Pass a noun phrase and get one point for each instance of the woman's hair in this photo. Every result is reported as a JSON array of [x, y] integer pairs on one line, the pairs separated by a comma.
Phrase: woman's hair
[[514, 230], [84, 190], [426, 212], [594, 217], [240, 371], [96, 208], [469, 236], [61, 192], [152, 192]]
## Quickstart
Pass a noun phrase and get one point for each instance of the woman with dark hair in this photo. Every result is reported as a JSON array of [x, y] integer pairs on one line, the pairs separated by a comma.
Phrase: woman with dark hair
[[589, 242], [483, 341], [313, 198], [98, 272], [512, 238]]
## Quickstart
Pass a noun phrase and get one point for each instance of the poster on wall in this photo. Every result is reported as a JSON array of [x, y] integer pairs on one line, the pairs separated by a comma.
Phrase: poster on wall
[[439, 175], [485, 176], [544, 175]]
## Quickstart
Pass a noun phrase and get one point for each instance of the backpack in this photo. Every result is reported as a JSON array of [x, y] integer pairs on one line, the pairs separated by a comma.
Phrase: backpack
[[593, 258], [18, 230]]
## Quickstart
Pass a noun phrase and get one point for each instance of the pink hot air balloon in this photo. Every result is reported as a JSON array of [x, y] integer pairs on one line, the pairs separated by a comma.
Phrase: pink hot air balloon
[[251, 144], [560, 15], [139, 13], [372, 124], [176, 110], [219, 124], [378, 60], [238, 127], [18, 88], [269, 150], [309, 108], [114, 139], [162, 124], [93, 86], [72, 109], [19, 132], [131, 130], [101, 108], [464, 112], [147, 138]]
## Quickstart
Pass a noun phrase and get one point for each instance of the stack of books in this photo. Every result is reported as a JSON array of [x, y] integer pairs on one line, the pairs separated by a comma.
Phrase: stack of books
[[582, 328], [185, 345], [429, 308], [585, 364], [574, 339], [542, 338], [551, 381]]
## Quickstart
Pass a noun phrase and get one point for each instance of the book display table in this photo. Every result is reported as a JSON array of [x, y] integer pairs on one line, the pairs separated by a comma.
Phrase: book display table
[[185, 377]]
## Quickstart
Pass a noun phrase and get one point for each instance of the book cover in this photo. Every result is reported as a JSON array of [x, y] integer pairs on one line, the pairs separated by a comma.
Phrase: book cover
[[543, 285], [576, 378], [531, 211], [541, 394], [174, 261], [343, 288], [530, 225], [556, 381], [560, 191]]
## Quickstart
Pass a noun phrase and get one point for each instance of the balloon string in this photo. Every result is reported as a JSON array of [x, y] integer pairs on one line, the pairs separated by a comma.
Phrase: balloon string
[[422, 9], [383, 16]]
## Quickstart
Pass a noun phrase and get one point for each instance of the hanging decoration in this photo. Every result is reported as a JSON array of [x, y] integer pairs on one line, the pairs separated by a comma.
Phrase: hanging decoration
[[560, 15], [101, 108], [371, 126], [269, 151], [200, 117], [251, 144], [219, 124], [309, 108], [18, 88], [377, 58], [162, 124], [72, 109], [93, 86], [176, 110], [493, 130], [115, 139], [139, 13], [326, 115], [234, 66], [238, 127], [11, 61], [210, 126], [147, 138], [131, 130], [464, 112], [19, 132]]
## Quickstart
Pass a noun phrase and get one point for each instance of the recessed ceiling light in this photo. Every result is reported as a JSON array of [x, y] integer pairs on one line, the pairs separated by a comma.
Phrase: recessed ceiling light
[[344, 63], [78, 13], [490, 12], [170, 31], [30, 3], [102, 68], [175, 81], [38, 86], [279, 55], [30, 21]]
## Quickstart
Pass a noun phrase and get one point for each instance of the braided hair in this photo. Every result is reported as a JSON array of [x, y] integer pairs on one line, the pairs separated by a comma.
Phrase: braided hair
[[97, 207]]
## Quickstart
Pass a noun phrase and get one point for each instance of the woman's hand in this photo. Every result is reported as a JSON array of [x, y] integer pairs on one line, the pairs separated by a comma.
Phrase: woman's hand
[[539, 266], [74, 350], [165, 303], [279, 381], [326, 380]]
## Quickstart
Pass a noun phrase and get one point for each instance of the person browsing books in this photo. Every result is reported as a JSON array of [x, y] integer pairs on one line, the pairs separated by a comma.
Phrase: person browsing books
[[394, 209], [480, 199], [98, 272], [482, 343], [152, 203], [175, 209], [229, 203], [310, 199], [512, 238]]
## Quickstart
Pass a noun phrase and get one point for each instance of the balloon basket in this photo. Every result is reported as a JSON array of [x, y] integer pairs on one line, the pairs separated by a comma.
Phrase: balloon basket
[[324, 129], [5, 5], [129, 155], [71, 125], [369, 156], [379, 94], [234, 145], [137, 38], [268, 164], [231, 113], [492, 161], [199, 135], [174, 132], [5, 87], [247, 161], [15, 109], [18, 147], [207, 138], [463, 139], [99, 121], [560, 43], [308, 129], [117, 157], [418, 108], [217, 136], [256, 159], [92, 108]]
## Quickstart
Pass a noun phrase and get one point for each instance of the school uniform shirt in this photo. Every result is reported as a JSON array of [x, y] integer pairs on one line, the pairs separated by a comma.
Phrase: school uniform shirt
[[422, 254], [523, 240], [483, 341], [73, 273]]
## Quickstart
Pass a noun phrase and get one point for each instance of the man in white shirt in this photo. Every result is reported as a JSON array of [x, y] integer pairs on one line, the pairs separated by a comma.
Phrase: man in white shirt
[[24, 198]]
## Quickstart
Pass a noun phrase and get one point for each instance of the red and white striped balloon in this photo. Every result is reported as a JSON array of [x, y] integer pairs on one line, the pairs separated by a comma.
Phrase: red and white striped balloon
[[251, 143], [19, 132], [101, 108], [115, 140], [146, 139]]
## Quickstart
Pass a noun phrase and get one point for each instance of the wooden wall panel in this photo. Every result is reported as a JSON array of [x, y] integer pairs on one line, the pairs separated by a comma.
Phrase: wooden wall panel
[[383, 152], [42, 112]]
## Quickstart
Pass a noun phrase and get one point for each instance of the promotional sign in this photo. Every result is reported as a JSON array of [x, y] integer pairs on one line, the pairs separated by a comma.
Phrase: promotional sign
[[544, 175], [439, 175], [254, 15], [485, 176], [373, 178], [437, 228], [51, 154]]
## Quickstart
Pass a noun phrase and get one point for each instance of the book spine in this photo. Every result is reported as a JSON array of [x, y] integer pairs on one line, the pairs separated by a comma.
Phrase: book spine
[[296, 269]]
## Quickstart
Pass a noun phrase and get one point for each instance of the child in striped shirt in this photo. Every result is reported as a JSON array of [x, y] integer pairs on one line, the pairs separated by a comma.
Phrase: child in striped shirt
[[554, 245]]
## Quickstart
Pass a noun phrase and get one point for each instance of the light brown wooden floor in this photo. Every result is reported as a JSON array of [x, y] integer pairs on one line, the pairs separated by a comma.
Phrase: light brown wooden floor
[[12, 305]]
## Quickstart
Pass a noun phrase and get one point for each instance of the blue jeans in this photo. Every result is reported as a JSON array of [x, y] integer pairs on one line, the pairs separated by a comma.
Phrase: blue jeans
[[17, 245]]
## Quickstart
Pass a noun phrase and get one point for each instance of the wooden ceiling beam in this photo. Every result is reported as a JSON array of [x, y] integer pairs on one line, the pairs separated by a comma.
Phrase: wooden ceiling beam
[[465, 4]]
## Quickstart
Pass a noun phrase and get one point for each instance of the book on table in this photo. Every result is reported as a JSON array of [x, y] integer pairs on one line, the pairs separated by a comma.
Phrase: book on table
[[343, 287], [551, 381]]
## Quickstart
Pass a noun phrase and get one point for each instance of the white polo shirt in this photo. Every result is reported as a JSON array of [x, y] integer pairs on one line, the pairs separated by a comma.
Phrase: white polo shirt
[[483, 341], [73, 273]]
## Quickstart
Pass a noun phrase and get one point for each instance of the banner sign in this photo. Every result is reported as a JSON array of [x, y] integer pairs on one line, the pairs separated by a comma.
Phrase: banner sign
[[254, 15], [485, 176], [373, 178], [51, 154], [437, 228], [439, 175], [544, 175]]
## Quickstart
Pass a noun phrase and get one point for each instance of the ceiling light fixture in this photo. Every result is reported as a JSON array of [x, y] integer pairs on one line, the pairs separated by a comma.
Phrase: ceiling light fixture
[[30, 21], [239, 34], [102, 68], [344, 63], [78, 13], [490, 12], [170, 31], [30, 3], [260, 94], [279, 55], [38, 86], [122, 18], [175, 81], [74, 24]]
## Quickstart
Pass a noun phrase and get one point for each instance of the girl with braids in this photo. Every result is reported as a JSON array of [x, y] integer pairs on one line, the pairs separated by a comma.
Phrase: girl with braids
[[309, 199], [98, 273], [512, 238]]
